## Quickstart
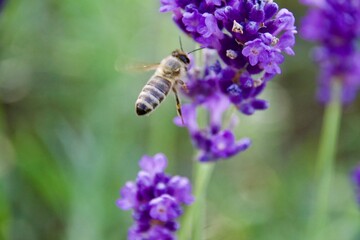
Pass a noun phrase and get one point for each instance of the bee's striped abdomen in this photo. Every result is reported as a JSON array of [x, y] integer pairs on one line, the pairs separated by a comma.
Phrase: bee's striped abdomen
[[152, 94]]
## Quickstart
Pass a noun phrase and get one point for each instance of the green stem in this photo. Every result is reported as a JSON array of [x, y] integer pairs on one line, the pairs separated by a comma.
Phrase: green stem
[[325, 163], [203, 175], [193, 224]]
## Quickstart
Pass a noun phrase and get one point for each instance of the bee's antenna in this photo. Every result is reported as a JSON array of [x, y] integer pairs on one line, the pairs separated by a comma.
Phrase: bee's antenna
[[181, 47], [196, 50]]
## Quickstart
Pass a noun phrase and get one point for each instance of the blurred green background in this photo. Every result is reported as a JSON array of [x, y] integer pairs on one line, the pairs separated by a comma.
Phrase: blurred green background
[[70, 138]]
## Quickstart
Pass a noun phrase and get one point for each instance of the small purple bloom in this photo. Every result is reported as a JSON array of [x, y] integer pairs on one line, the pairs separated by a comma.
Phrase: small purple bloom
[[334, 25], [168, 5], [192, 21], [284, 21], [164, 208], [254, 50], [209, 27], [153, 165], [272, 62], [224, 145], [128, 196], [156, 200], [180, 188]]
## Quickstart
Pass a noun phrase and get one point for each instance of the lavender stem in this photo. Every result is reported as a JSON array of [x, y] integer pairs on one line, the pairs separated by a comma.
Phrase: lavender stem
[[325, 163], [203, 175], [193, 224]]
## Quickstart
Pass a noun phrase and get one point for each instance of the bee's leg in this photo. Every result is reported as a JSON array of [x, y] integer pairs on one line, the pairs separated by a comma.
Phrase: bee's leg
[[182, 84], [178, 105]]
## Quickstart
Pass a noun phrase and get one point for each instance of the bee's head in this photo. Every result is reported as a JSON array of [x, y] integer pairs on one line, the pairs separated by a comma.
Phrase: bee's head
[[181, 55]]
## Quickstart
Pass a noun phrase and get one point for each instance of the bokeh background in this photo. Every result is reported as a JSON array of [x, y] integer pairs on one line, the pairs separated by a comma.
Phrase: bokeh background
[[69, 136]]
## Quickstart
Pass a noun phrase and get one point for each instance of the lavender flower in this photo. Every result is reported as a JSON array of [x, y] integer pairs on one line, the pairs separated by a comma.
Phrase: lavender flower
[[356, 181], [212, 89], [249, 35], [335, 26], [156, 199]]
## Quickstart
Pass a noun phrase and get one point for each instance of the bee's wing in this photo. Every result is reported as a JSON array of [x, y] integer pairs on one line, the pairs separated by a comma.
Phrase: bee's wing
[[137, 67], [144, 67]]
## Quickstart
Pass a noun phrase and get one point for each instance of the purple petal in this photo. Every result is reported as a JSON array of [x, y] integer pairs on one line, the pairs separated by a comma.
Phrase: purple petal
[[252, 27], [181, 188], [259, 104], [159, 232], [192, 20], [313, 26], [284, 21], [164, 208], [217, 105], [154, 164], [213, 2], [247, 109], [253, 49], [257, 14], [317, 3], [128, 196], [224, 14], [240, 146], [222, 142], [168, 5], [270, 10], [211, 27], [189, 116]]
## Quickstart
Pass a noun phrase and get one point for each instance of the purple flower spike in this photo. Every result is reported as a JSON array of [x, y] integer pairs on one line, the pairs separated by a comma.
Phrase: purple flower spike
[[334, 25], [215, 89], [156, 200], [238, 30], [250, 38], [356, 181]]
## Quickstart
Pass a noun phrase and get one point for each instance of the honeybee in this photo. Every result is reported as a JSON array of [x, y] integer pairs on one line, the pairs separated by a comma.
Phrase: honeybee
[[168, 75]]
